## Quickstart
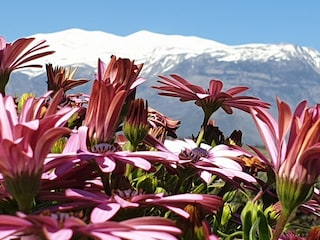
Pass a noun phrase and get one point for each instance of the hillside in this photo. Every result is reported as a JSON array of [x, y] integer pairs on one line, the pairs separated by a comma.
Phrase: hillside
[[288, 71]]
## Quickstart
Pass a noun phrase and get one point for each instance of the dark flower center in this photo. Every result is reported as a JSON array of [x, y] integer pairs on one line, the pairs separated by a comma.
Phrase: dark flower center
[[103, 147], [194, 154], [60, 217], [126, 194], [199, 152]]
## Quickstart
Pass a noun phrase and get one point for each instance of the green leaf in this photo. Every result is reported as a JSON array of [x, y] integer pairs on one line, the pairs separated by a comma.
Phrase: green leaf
[[260, 229], [263, 229]]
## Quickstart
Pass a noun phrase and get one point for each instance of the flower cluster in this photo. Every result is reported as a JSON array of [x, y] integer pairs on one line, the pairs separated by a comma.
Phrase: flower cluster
[[108, 166]]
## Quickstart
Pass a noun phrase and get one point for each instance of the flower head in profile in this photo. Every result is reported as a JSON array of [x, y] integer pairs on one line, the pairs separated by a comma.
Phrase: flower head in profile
[[136, 126], [62, 78], [112, 91], [214, 136], [293, 146], [16, 55], [103, 112], [121, 72], [161, 125], [294, 151], [25, 141], [209, 100]]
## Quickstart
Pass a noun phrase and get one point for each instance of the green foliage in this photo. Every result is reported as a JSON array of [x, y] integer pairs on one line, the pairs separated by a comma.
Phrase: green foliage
[[255, 222]]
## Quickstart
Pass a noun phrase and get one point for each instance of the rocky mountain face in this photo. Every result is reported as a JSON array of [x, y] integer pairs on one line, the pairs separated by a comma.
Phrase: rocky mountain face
[[287, 71]]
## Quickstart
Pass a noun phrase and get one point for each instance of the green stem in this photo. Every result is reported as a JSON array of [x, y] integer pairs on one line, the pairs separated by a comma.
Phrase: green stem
[[132, 147], [200, 136], [283, 219], [207, 115], [178, 185], [230, 236], [129, 169]]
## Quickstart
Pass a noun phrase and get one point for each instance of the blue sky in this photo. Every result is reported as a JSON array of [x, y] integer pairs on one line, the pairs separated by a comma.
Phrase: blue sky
[[226, 21]]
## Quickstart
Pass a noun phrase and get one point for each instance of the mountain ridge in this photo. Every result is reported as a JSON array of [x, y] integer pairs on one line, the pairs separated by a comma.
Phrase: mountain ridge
[[71, 48], [288, 71]]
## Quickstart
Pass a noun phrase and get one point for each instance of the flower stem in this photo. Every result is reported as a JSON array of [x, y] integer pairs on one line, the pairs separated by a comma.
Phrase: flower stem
[[283, 219], [200, 136]]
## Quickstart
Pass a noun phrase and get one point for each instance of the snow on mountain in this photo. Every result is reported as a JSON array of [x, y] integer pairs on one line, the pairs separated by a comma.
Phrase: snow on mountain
[[76, 46], [276, 52], [269, 70]]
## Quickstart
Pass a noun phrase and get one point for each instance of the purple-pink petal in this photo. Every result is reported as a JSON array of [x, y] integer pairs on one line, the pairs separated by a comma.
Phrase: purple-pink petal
[[65, 234], [104, 212]]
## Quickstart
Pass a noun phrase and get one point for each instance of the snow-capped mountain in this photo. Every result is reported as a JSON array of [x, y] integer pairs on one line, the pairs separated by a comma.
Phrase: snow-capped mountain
[[288, 71], [77, 46]]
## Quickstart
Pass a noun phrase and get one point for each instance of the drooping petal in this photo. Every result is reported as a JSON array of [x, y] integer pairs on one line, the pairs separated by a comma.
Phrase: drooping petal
[[46, 141], [284, 119], [103, 212], [268, 135], [59, 234], [10, 225]]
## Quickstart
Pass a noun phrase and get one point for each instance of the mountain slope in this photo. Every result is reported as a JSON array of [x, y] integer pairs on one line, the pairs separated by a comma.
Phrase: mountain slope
[[80, 46], [288, 71]]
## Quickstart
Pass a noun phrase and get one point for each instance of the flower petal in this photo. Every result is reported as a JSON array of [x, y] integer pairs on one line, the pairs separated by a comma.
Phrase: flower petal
[[103, 212]]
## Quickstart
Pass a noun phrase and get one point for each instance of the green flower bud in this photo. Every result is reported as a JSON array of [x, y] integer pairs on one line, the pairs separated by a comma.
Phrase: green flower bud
[[227, 211], [135, 126]]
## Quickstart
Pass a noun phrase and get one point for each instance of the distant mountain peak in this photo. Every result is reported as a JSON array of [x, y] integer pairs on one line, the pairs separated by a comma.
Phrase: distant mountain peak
[[78, 46], [289, 71]]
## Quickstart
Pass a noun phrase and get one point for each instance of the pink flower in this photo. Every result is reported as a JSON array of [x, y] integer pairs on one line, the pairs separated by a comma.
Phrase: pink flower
[[135, 125], [293, 144], [15, 55], [111, 90], [162, 126], [25, 141], [209, 100], [61, 77], [104, 159], [289, 235], [120, 72], [105, 207], [12, 226], [155, 228], [66, 227], [50, 227], [218, 160], [177, 203], [103, 112], [108, 156]]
